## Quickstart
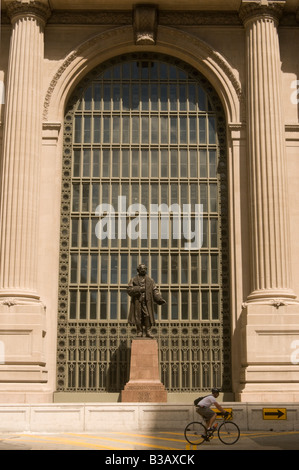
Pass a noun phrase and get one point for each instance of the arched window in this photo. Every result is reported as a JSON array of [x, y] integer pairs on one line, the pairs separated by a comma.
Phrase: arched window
[[144, 180]]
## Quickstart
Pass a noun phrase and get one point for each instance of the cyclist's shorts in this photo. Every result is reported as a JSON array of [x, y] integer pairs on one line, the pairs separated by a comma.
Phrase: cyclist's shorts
[[204, 411]]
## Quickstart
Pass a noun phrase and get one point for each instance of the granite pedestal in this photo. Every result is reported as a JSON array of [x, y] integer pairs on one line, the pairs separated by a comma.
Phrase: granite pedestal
[[144, 384]]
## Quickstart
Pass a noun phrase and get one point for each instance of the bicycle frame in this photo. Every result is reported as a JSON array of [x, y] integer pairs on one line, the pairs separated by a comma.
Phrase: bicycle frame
[[228, 431]]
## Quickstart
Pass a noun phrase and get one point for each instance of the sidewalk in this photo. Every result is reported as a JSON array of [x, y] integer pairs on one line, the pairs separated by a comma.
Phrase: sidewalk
[[165, 442]]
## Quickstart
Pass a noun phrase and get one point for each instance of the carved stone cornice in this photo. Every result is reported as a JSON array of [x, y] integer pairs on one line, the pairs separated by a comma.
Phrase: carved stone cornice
[[166, 18], [38, 9], [109, 17], [199, 18], [261, 9], [145, 23]]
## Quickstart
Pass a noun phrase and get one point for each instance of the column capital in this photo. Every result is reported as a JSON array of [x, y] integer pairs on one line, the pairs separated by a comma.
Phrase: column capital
[[38, 9], [252, 10]]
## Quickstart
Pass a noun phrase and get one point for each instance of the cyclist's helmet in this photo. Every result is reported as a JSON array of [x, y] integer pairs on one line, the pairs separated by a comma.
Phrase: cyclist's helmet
[[216, 390]]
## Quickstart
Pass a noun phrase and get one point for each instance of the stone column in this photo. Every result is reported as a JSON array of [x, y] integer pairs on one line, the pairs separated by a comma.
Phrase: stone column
[[22, 315], [269, 320], [22, 150], [266, 153]]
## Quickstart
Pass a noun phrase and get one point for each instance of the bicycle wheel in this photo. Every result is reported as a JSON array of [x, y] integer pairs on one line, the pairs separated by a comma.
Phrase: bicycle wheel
[[195, 433], [228, 432]]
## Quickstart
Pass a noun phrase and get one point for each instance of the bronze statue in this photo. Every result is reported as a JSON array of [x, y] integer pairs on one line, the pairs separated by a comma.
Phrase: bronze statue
[[144, 293]]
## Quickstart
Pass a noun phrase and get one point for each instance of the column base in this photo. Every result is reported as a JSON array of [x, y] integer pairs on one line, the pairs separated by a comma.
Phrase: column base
[[32, 394], [22, 348], [270, 352], [272, 295]]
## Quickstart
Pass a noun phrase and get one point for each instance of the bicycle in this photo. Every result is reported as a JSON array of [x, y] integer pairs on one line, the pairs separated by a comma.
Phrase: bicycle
[[228, 432]]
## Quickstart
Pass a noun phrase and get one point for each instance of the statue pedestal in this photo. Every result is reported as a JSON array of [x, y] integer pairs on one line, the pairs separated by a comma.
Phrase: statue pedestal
[[144, 384]]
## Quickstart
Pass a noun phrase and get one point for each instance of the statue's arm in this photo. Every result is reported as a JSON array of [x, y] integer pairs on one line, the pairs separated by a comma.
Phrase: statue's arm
[[133, 290], [157, 295]]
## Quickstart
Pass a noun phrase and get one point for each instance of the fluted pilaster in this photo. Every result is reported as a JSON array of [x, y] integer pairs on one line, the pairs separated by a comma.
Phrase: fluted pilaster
[[22, 150], [269, 222]]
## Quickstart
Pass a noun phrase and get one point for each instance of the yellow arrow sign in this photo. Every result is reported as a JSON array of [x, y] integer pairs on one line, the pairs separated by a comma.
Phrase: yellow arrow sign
[[274, 413]]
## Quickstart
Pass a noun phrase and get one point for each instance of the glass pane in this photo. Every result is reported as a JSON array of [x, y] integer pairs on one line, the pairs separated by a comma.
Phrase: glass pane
[[124, 269], [86, 162], [204, 268], [103, 305], [113, 305], [184, 269], [73, 305], [193, 164], [212, 130], [113, 269], [164, 269], [204, 305], [83, 305], [84, 231], [174, 269], [215, 305], [97, 129], [195, 305], [74, 265], [174, 305], [174, 163], [125, 164], [76, 163], [123, 305], [184, 305], [78, 129], [93, 302], [194, 269], [96, 163], [104, 269], [87, 129], [94, 269], [212, 164], [76, 197]]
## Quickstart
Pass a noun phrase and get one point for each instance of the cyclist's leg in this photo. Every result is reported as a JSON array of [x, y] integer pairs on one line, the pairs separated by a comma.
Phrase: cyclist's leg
[[211, 420], [207, 414], [201, 414]]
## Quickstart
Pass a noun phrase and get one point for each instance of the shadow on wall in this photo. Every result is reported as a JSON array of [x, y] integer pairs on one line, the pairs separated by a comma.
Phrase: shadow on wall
[[118, 370]]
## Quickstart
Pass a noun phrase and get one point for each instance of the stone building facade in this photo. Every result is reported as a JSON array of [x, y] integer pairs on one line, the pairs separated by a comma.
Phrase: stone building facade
[[190, 102]]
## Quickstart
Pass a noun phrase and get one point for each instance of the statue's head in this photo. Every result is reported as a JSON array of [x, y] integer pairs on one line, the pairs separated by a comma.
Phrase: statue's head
[[142, 269]]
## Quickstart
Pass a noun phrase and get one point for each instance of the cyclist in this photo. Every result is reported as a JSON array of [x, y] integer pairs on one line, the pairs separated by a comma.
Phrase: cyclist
[[203, 408]]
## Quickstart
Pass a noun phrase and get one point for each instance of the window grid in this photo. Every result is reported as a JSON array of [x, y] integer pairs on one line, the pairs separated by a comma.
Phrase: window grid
[[153, 142]]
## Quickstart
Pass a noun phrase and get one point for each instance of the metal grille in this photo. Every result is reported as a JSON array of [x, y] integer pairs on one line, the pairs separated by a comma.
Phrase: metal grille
[[98, 356], [151, 129]]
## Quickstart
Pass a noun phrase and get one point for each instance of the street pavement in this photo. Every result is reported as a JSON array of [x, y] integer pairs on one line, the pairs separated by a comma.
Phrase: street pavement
[[155, 442]]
